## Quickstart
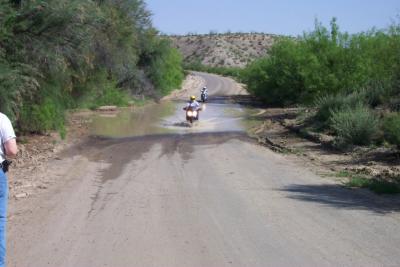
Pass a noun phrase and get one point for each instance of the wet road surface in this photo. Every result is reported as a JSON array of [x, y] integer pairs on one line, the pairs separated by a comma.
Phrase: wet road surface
[[147, 190], [168, 117]]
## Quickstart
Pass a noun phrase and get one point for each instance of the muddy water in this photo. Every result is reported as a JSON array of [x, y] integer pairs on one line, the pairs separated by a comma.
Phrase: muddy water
[[168, 117]]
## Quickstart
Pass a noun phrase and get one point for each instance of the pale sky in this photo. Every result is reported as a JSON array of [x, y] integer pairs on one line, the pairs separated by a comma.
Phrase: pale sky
[[288, 17]]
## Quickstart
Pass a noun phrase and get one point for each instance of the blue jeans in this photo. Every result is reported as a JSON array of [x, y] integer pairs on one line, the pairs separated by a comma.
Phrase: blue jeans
[[3, 216]]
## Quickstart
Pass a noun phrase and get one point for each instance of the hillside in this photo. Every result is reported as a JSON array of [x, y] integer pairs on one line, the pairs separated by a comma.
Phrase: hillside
[[227, 50]]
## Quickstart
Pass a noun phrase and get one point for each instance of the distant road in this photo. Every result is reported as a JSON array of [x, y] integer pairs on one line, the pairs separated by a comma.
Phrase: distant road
[[197, 199], [221, 86]]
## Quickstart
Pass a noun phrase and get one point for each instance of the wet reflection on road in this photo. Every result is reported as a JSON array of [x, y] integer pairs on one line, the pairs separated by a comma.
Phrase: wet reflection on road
[[168, 117]]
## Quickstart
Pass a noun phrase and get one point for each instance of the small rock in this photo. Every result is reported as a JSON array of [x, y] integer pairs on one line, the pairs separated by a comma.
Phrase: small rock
[[107, 108], [21, 195]]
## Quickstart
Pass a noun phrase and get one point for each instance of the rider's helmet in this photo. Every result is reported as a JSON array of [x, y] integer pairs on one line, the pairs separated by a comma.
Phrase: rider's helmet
[[192, 98], [205, 88]]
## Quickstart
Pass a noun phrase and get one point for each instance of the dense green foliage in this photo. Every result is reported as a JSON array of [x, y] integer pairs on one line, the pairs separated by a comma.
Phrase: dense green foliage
[[59, 54], [391, 128], [165, 67], [344, 76], [297, 71]]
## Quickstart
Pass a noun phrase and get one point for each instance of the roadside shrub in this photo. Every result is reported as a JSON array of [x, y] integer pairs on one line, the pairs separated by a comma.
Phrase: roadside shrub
[[391, 128], [113, 96], [276, 79], [354, 126], [165, 68], [377, 93], [106, 94], [44, 117], [329, 104]]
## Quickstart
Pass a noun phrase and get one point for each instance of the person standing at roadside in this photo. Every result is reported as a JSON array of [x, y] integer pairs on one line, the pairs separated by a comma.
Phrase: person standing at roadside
[[8, 148]]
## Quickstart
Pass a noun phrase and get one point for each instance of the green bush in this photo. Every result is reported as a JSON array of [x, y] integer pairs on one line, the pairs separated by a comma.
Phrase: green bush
[[41, 118], [391, 128], [276, 79], [111, 95], [377, 93], [327, 62], [44, 111], [354, 126], [165, 68], [103, 94], [328, 104]]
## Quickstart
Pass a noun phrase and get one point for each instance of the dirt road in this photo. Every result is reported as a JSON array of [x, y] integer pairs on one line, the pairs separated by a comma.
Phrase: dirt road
[[169, 195]]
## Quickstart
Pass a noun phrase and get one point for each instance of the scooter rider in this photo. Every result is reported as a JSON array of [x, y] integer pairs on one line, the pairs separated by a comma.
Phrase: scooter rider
[[192, 104], [204, 90], [204, 94]]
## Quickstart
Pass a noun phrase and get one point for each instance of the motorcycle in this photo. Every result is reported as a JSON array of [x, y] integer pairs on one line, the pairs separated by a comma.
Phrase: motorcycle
[[204, 97], [192, 115]]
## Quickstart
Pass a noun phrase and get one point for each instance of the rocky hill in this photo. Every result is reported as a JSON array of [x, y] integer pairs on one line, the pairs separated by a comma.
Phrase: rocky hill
[[223, 50]]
